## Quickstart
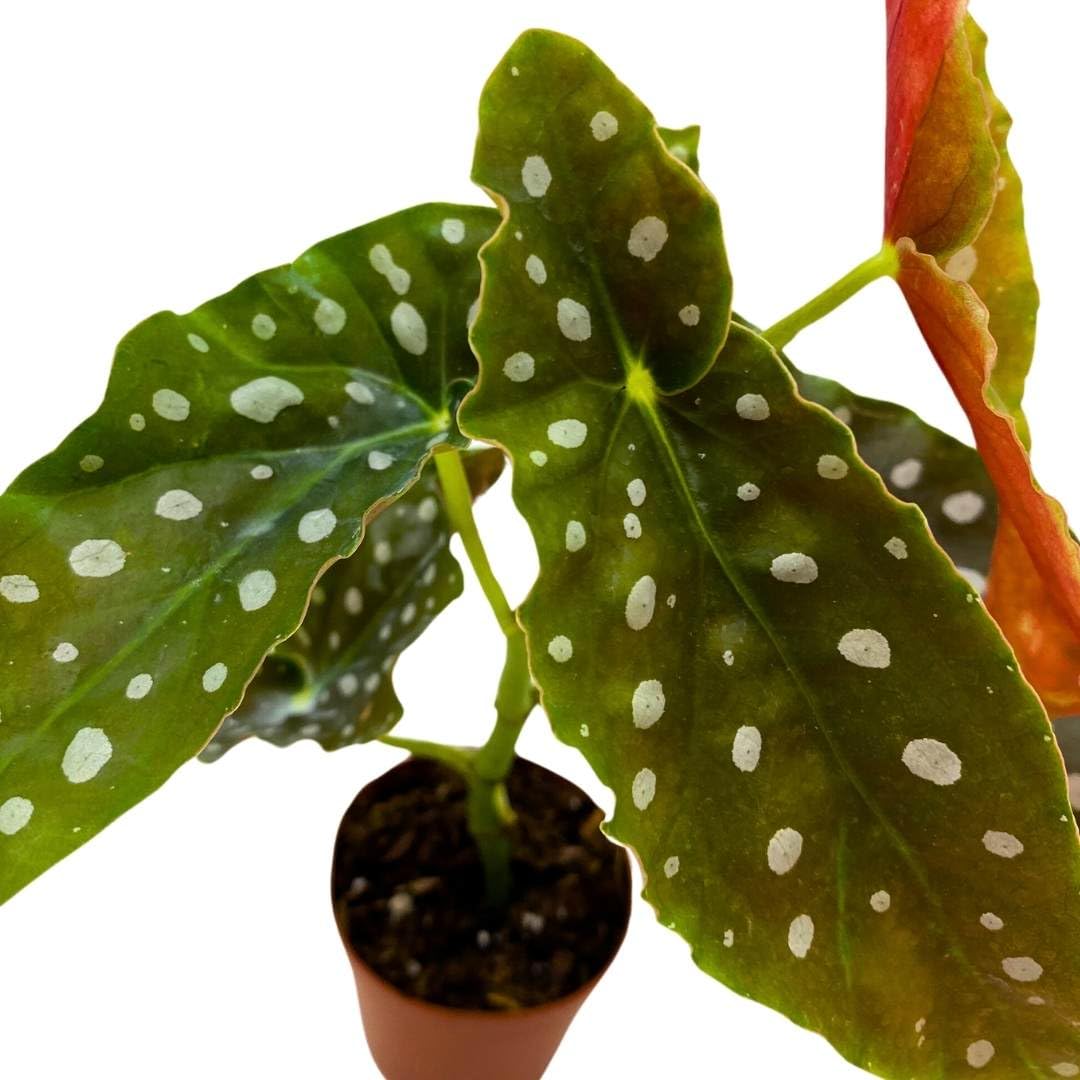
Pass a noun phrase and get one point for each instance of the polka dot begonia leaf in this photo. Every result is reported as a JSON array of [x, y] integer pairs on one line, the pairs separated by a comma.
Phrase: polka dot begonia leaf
[[919, 463], [776, 669], [332, 680], [944, 477], [149, 563]]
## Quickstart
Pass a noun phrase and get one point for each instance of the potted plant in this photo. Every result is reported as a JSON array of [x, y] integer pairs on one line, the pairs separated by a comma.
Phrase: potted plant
[[759, 613]]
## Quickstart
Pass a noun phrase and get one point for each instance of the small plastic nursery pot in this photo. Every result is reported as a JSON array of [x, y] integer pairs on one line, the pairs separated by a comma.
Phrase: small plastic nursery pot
[[415, 1039]]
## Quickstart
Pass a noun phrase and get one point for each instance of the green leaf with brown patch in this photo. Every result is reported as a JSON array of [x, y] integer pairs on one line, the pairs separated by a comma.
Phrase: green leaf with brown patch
[[761, 651], [332, 680], [997, 265], [151, 561]]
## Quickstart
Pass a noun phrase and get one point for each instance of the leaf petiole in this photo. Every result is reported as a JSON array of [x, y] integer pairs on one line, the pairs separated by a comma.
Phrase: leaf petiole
[[486, 768], [883, 263], [458, 758], [458, 499]]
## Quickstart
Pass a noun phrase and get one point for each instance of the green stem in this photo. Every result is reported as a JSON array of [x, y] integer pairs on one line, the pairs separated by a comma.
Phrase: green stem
[[513, 703], [458, 497], [489, 817], [487, 809], [458, 758], [882, 264], [489, 812]]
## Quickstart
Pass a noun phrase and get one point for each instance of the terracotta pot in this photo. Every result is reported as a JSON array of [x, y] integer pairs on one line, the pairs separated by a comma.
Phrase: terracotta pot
[[411, 1039]]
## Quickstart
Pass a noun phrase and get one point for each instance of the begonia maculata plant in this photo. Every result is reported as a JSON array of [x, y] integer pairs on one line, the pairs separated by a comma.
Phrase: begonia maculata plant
[[810, 642]]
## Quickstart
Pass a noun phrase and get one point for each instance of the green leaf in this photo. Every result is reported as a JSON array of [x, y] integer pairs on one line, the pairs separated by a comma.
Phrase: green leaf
[[998, 263], [332, 680], [682, 143], [601, 207], [944, 477], [920, 464], [151, 561], [761, 651]]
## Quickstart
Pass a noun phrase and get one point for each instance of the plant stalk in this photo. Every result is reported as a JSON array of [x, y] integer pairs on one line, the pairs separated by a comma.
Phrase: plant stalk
[[884, 263], [458, 496], [489, 812]]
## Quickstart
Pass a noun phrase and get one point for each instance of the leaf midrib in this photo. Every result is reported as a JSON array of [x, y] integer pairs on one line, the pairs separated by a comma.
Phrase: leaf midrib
[[652, 416]]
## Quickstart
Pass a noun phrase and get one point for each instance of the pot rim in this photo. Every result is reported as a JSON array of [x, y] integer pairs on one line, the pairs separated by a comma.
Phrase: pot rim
[[489, 1015]]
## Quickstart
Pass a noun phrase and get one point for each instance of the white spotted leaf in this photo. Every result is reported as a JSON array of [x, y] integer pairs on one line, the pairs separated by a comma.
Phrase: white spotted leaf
[[615, 217], [332, 681], [173, 538], [800, 759], [919, 464]]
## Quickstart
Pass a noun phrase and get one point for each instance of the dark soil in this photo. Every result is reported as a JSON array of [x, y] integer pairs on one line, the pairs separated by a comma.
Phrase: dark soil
[[409, 890]]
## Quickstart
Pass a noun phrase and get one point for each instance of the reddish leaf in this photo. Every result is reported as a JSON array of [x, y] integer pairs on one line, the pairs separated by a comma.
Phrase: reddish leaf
[[940, 159], [1044, 640], [954, 211], [954, 322]]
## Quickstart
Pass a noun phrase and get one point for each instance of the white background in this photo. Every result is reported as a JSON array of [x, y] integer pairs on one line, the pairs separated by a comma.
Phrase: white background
[[155, 154]]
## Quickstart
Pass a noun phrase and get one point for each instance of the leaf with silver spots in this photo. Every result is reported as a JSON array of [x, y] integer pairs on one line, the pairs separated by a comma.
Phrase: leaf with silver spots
[[150, 562], [799, 757], [332, 681], [944, 477]]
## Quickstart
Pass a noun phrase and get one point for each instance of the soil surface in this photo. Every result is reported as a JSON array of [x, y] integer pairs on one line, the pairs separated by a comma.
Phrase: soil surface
[[409, 890]]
